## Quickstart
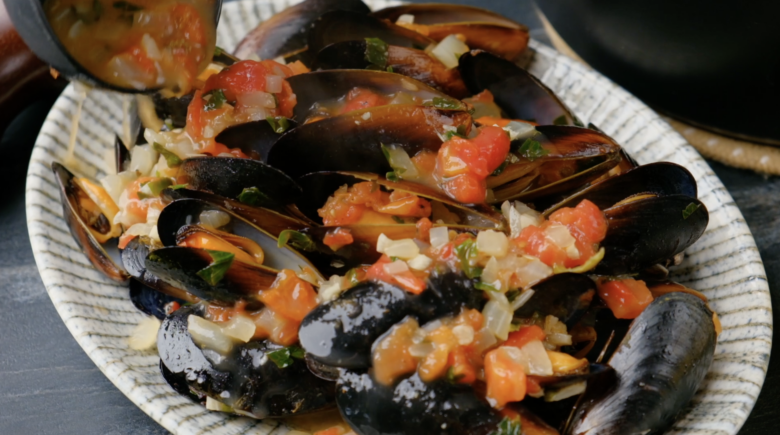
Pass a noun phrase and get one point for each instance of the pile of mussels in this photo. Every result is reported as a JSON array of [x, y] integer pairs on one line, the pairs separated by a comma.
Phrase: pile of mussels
[[639, 373]]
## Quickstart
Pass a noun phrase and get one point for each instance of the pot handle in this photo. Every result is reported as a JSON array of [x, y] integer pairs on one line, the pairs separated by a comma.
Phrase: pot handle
[[23, 77]]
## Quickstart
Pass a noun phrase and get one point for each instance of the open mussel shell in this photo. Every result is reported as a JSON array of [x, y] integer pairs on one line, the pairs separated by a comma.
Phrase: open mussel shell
[[268, 220], [319, 186], [340, 333], [518, 93], [660, 179], [406, 61], [566, 296], [149, 300], [482, 28], [228, 176], [179, 267], [186, 212], [353, 142], [341, 26], [323, 86], [285, 33], [173, 108], [246, 379], [659, 364], [412, 406], [30, 21], [105, 257], [254, 139], [134, 261], [651, 230]]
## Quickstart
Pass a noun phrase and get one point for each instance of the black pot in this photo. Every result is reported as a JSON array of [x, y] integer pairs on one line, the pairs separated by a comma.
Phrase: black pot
[[712, 63], [30, 21]]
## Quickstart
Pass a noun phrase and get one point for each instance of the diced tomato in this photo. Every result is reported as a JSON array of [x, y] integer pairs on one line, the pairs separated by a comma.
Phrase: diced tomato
[[532, 385], [505, 378], [489, 120], [290, 296], [276, 327], [471, 317], [425, 161], [125, 239], [585, 222], [391, 358], [298, 67], [360, 98], [245, 77], [466, 188], [493, 143], [460, 238], [408, 280], [406, 204], [460, 156], [435, 364], [525, 335], [139, 57], [215, 149], [424, 226], [535, 243], [627, 298], [335, 430], [462, 370], [483, 97], [338, 238]]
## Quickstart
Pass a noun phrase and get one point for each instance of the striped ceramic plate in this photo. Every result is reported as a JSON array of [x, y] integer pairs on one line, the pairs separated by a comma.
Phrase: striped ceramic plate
[[724, 263]]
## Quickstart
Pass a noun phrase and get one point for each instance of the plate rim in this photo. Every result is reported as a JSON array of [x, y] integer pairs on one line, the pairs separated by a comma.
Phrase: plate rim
[[38, 205]]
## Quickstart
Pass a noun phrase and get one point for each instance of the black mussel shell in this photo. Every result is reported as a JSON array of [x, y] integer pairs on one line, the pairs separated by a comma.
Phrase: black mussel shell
[[246, 380], [179, 267], [105, 258], [149, 300], [516, 91], [254, 139], [341, 332], [324, 86], [566, 296], [173, 108], [352, 142], [285, 33], [134, 261], [412, 407], [647, 231], [227, 176], [662, 179], [342, 26], [178, 381], [659, 364]]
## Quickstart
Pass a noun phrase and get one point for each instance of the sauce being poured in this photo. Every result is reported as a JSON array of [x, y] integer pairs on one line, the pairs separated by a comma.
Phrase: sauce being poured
[[138, 44]]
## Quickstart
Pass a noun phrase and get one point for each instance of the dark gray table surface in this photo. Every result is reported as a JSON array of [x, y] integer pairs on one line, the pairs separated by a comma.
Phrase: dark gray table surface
[[48, 385]]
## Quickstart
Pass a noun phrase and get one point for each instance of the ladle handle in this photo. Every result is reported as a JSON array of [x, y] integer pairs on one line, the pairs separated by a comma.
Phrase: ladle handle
[[23, 77]]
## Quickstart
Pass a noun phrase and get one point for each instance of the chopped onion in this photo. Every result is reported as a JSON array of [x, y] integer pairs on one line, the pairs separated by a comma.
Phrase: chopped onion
[[208, 334], [449, 50], [150, 47], [533, 357], [116, 184], [521, 299], [492, 243], [498, 318], [142, 229], [420, 262], [396, 267], [519, 216], [214, 218], [152, 214], [420, 350], [273, 84], [330, 289], [519, 130], [531, 270], [240, 328], [439, 236], [144, 335], [409, 86], [382, 242], [405, 249], [405, 19], [155, 235], [143, 158], [256, 99], [558, 339], [401, 163], [216, 405], [565, 392], [484, 339], [490, 274], [464, 334]]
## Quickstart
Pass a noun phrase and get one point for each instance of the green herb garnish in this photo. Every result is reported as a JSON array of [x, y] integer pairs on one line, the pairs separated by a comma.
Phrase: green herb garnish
[[459, 132], [220, 263], [252, 196], [561, 120], [297, 240], [216, 98], [278, 124], [508, 426], [218, 51], [178, 186], [392, 176], [394, 259], [532, 150], [284, 358], [466, 252], [153, 188], [390, 69], [485, 287], [172, 159], [352, 277], [127, 6], [501, 168], [578, 123], [398, 219], [443, 103], [690, 209], [376, 52], [452, 377]]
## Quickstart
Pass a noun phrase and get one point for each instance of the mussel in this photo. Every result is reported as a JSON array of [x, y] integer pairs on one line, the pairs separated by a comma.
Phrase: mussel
[[659, 365], [245, 379]]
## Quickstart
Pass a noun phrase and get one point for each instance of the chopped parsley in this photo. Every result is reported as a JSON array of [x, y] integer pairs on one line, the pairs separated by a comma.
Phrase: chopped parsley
[[352, 277], [297, 240], [561, 120], [508, 426], [501, 168], [460, 132], [397, 219], [170, 158], [532, 150], [218, 51], [466, 252], [153, 188], [214, 99], [392, 176], [220, 263], [485, 287], [252, 196], [179, 186], [452, 377], [284, 358], [390, 69], [443, 103], [376, 52], [278, 124], [690, 209]]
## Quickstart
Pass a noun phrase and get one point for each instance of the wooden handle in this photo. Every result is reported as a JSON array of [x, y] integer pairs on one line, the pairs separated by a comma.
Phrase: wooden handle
[[23, 77]]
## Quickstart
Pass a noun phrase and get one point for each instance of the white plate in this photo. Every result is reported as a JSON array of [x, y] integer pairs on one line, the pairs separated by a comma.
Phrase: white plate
[[724, 263]]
